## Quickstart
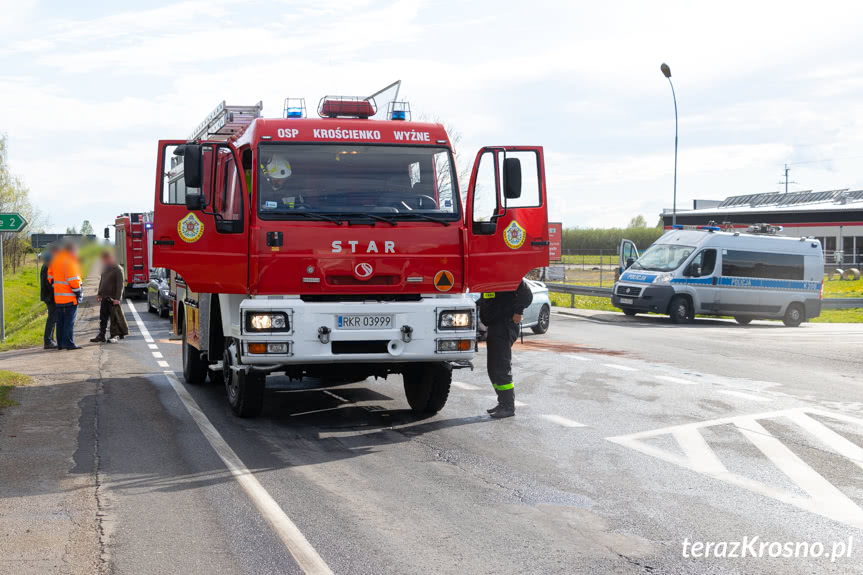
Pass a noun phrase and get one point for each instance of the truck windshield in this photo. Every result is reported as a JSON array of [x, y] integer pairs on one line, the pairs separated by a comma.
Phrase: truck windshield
[[662, 258], [395, 182]]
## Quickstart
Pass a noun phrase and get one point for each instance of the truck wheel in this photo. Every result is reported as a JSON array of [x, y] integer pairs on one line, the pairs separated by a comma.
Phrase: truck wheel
[[245, 390], [194, 368], [680, 310], [543, 321], [427, 386], [794, 315], [629, 311]]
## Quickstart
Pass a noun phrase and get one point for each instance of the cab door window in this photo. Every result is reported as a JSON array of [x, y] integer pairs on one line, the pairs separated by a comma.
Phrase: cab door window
[[230, 204], [485, 200], [703, 264]]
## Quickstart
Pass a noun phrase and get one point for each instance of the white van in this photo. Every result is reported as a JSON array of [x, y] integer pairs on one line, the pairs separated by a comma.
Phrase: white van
[[710, 272]]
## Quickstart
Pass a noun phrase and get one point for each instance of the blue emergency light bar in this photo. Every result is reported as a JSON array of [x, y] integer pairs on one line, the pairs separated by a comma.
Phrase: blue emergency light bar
[[295, 108], [677, 227], [148, 226], [710, 228], [399, 111]]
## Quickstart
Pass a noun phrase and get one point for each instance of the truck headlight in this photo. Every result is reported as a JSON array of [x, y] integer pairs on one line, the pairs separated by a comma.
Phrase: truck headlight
[[663, 279], [267, 321], [455, 319]]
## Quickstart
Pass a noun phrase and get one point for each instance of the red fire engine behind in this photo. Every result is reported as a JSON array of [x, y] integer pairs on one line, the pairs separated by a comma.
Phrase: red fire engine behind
[[132, 233]]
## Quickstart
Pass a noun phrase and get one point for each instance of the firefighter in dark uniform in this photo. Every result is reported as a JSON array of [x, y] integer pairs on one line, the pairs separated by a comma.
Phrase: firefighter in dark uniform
[[501, 312]]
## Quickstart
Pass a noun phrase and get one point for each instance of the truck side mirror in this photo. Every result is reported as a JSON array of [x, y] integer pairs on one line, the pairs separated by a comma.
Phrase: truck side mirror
[[195, 202], [511, 178], [193, 165], [107, 233]]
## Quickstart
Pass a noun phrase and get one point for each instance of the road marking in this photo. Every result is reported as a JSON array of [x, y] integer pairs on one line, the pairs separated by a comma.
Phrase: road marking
[[823, 498], [620, 367], [152, 346], [560, 420], [157, 354], [339, 397], [578, 357], [163, 363], [675, 379], [466, 386], [742, 395], [298, 546], [518, 403], [141, 327]]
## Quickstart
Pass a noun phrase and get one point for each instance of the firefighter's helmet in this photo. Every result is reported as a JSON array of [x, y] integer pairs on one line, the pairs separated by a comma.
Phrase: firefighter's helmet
[[276, 168]]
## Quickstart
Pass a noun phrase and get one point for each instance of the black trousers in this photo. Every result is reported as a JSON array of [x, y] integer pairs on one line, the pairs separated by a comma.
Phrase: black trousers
[[104, 315], [50, 322], [501, 336]]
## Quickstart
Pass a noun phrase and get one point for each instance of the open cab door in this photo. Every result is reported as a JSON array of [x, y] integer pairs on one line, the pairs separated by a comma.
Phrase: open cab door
[[628, 253], [200, 226], [507, 217]]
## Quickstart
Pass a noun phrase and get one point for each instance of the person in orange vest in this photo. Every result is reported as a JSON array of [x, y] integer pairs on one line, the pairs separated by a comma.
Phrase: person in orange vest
[[64, 275]]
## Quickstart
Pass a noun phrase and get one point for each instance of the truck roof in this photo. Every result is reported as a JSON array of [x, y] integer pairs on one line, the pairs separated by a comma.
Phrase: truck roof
[[343, 130]]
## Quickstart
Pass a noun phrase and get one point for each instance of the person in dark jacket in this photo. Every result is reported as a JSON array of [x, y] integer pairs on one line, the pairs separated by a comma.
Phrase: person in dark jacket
[[46, 294], [502, 313], [109, 294]]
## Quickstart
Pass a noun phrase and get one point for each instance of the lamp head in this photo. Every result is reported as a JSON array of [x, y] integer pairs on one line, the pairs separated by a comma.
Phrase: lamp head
[[665, 70]]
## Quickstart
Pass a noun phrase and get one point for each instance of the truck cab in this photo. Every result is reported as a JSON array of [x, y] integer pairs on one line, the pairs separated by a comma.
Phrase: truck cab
[[339, 247]]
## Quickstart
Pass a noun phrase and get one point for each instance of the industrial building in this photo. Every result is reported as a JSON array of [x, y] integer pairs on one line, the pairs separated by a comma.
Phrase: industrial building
[[835, 217]]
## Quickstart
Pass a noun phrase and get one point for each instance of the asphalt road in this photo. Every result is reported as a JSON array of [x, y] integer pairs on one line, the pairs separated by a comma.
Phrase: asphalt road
[[634, 439]]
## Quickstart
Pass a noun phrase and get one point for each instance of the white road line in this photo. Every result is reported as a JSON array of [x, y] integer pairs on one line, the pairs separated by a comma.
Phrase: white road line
[[675, 379], [157, 354], [620, 367], [742, 395], [465, 386], [560, 420], [141, 326], [298, 546], [152, 346], [339, 397], [163, 363], [578, 357], [519, 403]]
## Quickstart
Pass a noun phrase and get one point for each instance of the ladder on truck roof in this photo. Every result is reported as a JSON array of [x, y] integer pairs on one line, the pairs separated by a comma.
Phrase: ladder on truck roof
[[137, 232], [226, 121]]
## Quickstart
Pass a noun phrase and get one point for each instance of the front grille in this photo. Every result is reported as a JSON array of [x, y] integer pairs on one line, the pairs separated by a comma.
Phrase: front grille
[[382, 280], [327, 298], [373, 346], [629, 290]]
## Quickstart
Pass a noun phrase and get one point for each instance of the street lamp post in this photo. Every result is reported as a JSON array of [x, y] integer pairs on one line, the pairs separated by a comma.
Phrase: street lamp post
[[666, 71]]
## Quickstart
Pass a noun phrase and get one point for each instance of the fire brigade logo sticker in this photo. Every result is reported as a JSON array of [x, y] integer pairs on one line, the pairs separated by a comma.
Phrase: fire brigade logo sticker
[[514, 235], [443, 280], [190, 228]]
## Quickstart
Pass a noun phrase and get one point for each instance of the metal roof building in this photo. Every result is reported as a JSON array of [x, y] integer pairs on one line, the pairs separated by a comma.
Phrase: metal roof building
[[834, 216]]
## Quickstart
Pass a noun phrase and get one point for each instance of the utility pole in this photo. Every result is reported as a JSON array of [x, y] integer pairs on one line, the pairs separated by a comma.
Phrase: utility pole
[[786, 182]]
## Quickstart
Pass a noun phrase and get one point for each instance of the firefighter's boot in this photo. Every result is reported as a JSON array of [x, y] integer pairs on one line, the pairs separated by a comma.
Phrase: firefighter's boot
[[496, 407], [506, 398]]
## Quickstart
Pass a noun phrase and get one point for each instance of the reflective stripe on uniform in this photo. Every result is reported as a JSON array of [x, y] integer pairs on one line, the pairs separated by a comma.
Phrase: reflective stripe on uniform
[[509, 385]]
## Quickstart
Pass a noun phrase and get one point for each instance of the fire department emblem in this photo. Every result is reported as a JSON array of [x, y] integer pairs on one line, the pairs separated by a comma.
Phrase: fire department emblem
[[190, 228], [514, 235]]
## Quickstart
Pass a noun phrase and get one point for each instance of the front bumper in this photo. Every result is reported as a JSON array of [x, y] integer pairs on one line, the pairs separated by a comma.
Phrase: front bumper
[[313, 335], [650, 299]]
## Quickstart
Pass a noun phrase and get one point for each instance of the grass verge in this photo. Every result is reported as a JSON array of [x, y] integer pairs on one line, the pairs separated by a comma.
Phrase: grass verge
[[25, 312], [8, 380]]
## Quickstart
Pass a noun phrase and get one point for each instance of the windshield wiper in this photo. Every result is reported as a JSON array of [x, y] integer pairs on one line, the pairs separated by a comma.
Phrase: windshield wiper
[[425, 217], [316, 216]]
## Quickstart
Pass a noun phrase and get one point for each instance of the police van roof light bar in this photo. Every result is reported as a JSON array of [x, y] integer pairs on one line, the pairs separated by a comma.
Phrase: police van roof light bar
[[294, 108]]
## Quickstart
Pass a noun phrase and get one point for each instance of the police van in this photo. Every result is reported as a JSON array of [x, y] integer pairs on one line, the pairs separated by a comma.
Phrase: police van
[[751, 275]]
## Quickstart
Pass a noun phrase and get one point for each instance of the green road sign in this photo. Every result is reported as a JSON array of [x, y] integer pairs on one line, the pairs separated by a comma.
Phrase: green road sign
[[12, 222]]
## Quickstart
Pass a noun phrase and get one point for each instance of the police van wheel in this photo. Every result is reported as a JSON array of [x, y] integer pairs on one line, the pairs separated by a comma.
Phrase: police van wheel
[[629, 311], [743, 320], [543, 321], [680, 310], [194, 368], [794, 315], [427, 386]]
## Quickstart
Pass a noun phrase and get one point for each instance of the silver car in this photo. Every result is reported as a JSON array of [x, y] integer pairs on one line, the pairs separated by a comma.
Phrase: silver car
[[537, 316]]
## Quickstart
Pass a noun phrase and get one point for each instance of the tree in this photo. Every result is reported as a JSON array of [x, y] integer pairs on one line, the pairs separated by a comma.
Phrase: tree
[[661, 223], [15, 197], [71, 231], [86, 228], [638, 222]]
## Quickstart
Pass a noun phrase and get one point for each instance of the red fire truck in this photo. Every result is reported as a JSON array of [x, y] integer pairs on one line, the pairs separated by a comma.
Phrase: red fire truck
[[338, 247], [133, 246]]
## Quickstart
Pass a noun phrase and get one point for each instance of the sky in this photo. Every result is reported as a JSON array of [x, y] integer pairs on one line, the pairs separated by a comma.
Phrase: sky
[[88, 87]]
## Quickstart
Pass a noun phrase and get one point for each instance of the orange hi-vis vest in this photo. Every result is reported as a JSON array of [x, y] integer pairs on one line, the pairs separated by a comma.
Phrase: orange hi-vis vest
[[65, 275]]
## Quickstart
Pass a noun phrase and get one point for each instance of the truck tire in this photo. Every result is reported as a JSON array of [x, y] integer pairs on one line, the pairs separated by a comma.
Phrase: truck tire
[[794, 315], [629, 311], [194, 368], [543, 321], [680, 310], [427, 386], [245, 390]]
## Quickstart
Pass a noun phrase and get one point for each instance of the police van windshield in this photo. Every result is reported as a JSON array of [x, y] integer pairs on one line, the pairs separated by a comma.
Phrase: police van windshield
[[396, 182], [662, 258]]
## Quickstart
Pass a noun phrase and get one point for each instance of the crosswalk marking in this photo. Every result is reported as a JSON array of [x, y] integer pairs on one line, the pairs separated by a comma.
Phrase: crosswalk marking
[[822, 497], [742, 395], [560, 420]]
